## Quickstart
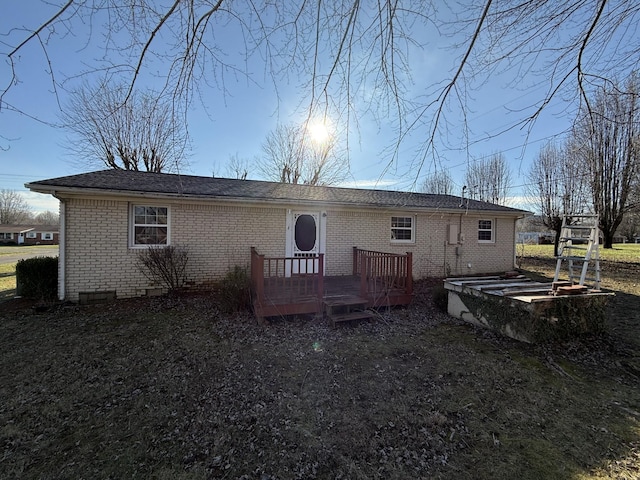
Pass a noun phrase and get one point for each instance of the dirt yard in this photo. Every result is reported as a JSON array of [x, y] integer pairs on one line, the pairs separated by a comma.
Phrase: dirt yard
[[169, 388]]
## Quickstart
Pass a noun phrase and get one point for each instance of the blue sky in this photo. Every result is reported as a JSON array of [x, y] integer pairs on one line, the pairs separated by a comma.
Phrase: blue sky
[[238, 122]]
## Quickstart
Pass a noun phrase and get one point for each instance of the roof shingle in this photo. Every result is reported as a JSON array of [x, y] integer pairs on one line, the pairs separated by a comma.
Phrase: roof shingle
[[127, 181]]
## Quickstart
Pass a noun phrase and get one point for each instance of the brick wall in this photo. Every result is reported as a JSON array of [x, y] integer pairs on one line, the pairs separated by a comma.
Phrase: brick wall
[[98, 257], [218, 237], [432, 253]]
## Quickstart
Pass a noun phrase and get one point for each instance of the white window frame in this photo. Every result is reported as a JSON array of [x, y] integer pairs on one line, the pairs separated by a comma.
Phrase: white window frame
[[411, 229], [46, 236], [7, 236], [491, 230], [133, 225], [31, 235]]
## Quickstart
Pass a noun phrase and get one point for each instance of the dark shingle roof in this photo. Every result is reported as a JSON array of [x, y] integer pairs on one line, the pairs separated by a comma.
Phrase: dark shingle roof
[[28, 227], [126, 181]]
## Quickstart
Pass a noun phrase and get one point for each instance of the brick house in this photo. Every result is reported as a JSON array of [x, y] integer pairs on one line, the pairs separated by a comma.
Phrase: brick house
[[29, 234], [106, 217]]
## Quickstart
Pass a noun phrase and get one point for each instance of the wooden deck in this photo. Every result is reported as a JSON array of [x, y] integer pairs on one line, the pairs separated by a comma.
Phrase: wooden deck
[[292, 285]]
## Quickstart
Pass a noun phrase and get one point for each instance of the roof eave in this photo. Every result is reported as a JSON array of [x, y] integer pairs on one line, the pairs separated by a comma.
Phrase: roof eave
[[57, 190]]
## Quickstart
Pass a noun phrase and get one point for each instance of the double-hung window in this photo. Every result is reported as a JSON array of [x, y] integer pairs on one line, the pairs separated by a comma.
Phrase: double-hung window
[[402, 229], [149, 225], [486, 233], [46, 236]]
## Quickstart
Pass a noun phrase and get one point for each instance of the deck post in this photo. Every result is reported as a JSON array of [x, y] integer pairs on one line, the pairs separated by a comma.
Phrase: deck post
[[321, 278], [257, 274], [355, 261], [257, 284], [363, 276], [409, 285]]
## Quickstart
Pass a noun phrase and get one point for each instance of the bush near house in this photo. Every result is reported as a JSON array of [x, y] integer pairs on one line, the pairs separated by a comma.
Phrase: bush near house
[[235, 290], [165, 265], [37, 277]]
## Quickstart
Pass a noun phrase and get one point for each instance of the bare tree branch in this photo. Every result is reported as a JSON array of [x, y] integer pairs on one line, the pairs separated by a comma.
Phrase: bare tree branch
[[140, 132], [606, 138], [350, 58], [13, 208], [290, 155], [37, 31], [489, 180]]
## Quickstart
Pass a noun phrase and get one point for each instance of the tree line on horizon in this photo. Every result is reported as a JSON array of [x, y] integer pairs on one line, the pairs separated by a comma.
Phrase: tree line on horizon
[[14, 210]]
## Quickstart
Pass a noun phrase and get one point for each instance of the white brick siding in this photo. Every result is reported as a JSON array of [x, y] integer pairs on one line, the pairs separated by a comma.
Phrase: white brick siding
[[219, 236], [432, 255]]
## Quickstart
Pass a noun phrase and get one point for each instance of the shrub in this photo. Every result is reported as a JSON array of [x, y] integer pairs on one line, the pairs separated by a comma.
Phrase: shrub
[[165, 265], [37, 277], [235, 290]]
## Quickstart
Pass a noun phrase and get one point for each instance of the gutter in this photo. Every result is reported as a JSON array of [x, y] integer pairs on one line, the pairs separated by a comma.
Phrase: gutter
[[61, 247]]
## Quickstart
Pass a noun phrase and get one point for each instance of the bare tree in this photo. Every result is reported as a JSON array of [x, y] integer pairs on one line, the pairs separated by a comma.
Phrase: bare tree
[[290, 155], [489, 179], [238, 167], [630, 226], [343, 50], [607, 136], [559, 184], [47, 218], [439, 183], [125, 130], [13, 208]]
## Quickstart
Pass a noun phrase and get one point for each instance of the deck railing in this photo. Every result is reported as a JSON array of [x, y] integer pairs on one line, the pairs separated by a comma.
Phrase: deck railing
[[295, 285], [286, 280], [383, 273]]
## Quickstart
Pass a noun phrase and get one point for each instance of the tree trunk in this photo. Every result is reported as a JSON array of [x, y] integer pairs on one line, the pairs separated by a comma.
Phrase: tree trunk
[[556, 242]]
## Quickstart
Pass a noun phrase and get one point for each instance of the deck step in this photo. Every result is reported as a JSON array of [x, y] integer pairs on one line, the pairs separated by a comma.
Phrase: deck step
[[347, 317], [345, 308], [344, 304]]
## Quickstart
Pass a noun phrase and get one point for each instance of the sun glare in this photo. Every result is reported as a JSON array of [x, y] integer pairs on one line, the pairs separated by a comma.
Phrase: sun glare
[[319, 132]]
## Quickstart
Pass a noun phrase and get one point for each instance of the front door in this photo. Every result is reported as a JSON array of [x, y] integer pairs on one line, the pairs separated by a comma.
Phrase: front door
[[304, 241]]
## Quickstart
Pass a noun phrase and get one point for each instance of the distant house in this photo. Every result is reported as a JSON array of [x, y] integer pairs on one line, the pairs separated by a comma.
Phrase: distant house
[[107, 217], [536, 238], [29, 234]]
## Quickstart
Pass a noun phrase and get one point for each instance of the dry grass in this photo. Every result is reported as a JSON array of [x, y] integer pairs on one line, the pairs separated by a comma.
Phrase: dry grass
[[8, 270], [7, 281], [170, 388], [620, 253]]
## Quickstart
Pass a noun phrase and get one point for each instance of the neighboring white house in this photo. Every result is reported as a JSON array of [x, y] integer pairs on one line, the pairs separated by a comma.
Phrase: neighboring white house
[[106, 217]]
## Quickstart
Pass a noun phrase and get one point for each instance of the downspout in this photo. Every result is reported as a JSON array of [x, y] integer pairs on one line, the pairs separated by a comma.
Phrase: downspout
[[460, 235], [515, 243], [444, 265], [61, 249], [459, 249]]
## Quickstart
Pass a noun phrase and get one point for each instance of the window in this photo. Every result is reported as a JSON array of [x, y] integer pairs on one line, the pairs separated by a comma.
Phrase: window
[[6, 236], [402, 229], [32, 235], [47, 236], [485, 231], [150, 225]]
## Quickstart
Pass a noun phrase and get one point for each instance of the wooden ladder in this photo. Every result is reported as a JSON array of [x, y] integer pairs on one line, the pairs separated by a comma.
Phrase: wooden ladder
[[578, 248]]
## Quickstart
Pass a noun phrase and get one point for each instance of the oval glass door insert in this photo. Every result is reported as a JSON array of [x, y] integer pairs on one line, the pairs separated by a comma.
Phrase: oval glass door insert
[[305, 233]]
